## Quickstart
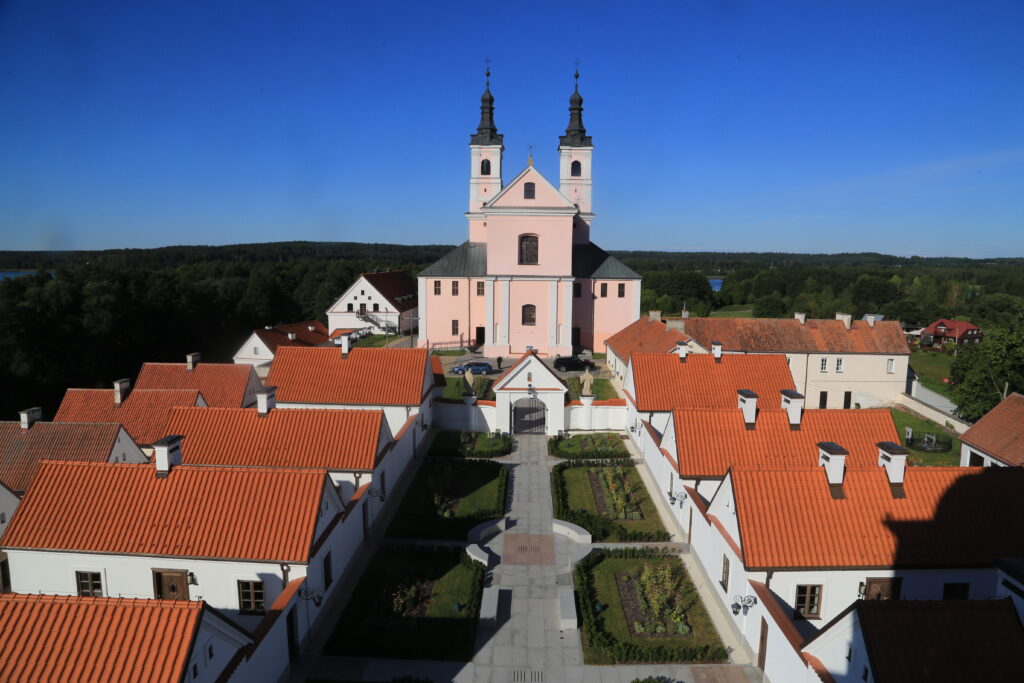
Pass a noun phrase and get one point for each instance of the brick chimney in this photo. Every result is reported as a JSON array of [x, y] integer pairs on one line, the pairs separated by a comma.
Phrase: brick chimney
[[121, 389], [681, 351], [716, 351], [793, 404], [654, 316], [846, 318], [266, 400], [893, 457], [748, 404], [832, 457], [30, 416], [191, 361], [802, 317], [167, 454]]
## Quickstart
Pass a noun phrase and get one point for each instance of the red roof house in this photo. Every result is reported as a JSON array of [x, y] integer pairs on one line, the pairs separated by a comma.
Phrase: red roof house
[[223, 385], [143, 413], [956, 331], [999, 434]]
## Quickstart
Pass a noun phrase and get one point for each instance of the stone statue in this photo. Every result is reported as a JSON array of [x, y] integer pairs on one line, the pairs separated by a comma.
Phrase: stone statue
[[469, 382], [587, 381]]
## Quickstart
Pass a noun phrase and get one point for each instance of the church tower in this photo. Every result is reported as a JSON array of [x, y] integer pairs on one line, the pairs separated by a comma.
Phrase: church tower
[[575, 151], [485, 148]]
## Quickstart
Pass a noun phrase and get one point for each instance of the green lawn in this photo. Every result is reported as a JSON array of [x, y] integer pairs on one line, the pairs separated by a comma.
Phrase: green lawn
[[581, 498], [595, 445], [443, 623], [606, 635], [456, 386], [448, 352], [449, 497], [371, 340], [921, 426], [453, 444], [602, 389], [931, 369], [734, 311]]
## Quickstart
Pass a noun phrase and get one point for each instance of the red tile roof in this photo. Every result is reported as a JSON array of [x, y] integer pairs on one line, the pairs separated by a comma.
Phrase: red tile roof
[[782, 335], [787, 517], [223, 385], [437, 368], [304, 336], [662, 382], [368, 376], [60, 638], [397, 286], [942, 641], [709, 442], [1000, 432], [644, 336], [954, 328], [325, 439], [241, 513], [22, 450], [143, 414]]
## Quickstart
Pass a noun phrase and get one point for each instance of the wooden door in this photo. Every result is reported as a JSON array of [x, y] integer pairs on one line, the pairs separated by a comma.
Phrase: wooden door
[[882, 589], [762, 645], [170, 584]]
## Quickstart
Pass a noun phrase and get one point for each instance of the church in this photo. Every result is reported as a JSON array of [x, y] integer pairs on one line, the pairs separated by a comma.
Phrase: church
[[528, 276]]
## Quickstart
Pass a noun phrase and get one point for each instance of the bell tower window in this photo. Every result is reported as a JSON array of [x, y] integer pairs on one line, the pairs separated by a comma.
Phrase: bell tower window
[[576, 169], [529, 191], [485, 167], [528, 250]]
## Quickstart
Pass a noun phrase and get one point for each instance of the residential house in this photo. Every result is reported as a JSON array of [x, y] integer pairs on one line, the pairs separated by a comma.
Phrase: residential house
[[839, 363], [223, 385], [649, 334], [259, 348], [384, 303], [997, 439], [945, 330], [61, 638]]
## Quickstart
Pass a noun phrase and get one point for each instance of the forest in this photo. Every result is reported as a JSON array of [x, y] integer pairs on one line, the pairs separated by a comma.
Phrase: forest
[[85, 318]]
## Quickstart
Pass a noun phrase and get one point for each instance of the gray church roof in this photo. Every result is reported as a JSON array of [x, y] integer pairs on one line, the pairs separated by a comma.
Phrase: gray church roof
[[469, 259]]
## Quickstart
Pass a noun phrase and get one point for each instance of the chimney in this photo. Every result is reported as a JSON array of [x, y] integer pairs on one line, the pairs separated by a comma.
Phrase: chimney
[[871, 319], [802, 317], [681, 351], [121, 387], [167, 454], [30, 416], [793, 404], [685, 314], [675, 324], [311, 328], [266, 400], [716, 351], [654, 316], [268, 327], [893, 457], [846, 318], [832, 457], [346, 342], [291, 336], [191, 361], [748, 404]]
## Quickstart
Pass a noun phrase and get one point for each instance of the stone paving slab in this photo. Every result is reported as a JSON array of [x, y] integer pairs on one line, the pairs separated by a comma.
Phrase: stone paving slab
[[528, 549]]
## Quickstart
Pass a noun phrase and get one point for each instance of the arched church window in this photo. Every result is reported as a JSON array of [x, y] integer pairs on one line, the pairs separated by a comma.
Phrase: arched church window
[[529, 314], [529, 191], [485, 167], [576, 169], [528, 250]]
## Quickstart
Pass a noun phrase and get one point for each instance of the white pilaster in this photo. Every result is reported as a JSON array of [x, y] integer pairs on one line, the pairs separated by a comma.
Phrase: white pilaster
[[566, 339], [489, 306], [421, 292], [503, 303], [553, 313]]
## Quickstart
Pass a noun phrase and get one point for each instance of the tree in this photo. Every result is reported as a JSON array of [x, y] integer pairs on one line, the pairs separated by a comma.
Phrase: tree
[[985, 374], [770, 306]]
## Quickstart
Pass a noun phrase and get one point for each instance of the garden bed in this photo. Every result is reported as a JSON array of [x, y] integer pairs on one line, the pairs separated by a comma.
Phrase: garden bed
[[412, 604], [640, 605], [452, 444], [590, 446], [608, 500], [948, 457], [449, 497]]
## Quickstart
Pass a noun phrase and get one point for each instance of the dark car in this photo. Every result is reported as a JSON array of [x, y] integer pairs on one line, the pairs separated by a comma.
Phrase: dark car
[[566, 363], [477, 367]]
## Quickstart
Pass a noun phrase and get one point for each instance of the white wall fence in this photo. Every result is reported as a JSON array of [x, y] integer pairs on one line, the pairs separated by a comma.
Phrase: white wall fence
[[932, 398], [483, 417], [932, 413]]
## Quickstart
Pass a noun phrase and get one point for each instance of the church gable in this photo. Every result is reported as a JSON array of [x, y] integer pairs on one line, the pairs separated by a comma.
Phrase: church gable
[[529, 372], [517, 193]]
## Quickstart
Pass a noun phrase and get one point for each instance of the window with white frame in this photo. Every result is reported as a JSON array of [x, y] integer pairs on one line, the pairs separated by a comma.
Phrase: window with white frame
[[890, 365], [824, 365], [839, 364]]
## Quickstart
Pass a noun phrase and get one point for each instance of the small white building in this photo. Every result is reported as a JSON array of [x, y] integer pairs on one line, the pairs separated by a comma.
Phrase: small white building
[[259, 348], [383, 302], [530, 398], [997, 439]]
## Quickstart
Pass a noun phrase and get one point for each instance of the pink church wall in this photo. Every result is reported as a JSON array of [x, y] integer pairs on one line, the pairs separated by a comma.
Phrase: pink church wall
[[522, 292], [555, 244], [544, 195], [444, 307], [612, 313]]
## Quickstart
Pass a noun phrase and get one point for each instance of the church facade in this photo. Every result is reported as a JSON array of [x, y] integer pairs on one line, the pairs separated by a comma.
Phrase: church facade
[[528, 276]]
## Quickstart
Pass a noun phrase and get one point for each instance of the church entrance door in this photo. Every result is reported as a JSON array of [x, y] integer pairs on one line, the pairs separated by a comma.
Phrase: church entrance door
[[480, 336], [528, 416]]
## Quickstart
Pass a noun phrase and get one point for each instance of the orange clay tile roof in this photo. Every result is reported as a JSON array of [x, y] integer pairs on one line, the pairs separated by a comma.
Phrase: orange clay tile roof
[[709, 442], [241, 513], [781, 335], [143, 414], [942, 641], [223, 385], [61, 638], [21, 450], [644, 336], [1000, 432], [437, 368], [278, 336], [368, 376], [663, 382], [788, 519], [954, 328], [326, 439]]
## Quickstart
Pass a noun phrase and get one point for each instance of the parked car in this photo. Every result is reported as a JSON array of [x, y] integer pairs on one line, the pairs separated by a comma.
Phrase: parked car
[[478, 367], [566, 363]]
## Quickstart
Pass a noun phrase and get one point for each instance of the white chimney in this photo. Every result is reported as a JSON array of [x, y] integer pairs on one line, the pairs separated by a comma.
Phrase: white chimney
[[871, 319], [748, 404], [191, 361], [716, 351], [654, 316], [685, 314], [832, 457], [167, 454], [802, 317], [846, 318], [292, 335], [268, 327], [793, 404], [893, 457], [266, 400], [681, 351], [30, 416], [311, 328], [121, 387], [346, 342]]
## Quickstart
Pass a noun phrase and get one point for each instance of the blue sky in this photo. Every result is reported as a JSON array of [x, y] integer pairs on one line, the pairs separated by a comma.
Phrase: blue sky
[[719, 125]]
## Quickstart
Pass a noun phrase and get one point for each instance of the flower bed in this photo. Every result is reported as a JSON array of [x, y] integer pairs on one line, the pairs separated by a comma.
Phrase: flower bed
[[615, 493], [591, 446]]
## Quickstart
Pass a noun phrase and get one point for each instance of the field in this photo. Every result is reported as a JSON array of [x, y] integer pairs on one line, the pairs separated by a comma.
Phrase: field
[[734, 311], [931, 368]]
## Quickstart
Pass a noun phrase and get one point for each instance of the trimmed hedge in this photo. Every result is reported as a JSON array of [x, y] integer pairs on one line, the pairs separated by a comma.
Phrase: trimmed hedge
[[453, 444], [592, 454], [600, 528]]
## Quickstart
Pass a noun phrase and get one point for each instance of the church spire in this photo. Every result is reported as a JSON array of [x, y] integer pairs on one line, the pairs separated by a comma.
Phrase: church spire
[[486, 132], [575, 133]]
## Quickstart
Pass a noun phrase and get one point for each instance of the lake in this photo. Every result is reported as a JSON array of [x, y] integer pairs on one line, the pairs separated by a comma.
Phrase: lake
[[716, 283], [5, 274]]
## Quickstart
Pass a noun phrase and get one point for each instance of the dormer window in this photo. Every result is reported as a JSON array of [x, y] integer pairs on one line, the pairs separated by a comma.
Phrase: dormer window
[[576, 169], [529, 191], [485, 167], [528, 250]]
